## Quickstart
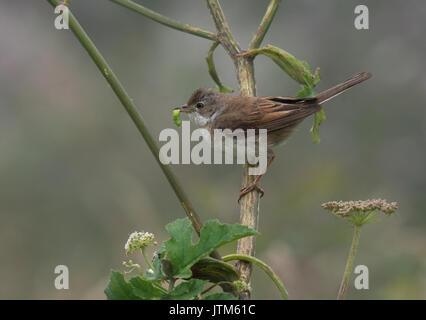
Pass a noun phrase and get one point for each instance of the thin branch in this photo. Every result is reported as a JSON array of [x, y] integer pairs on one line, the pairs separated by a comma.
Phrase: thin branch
[[165, 20], [268, 270], [126, 101], [265, 24]]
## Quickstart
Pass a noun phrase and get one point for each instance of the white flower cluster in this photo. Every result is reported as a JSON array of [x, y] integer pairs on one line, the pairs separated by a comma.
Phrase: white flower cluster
[[139, 240], [347, 208]]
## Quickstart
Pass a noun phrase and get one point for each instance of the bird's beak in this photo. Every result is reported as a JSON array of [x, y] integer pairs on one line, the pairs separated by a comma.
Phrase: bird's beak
[[183, 108]]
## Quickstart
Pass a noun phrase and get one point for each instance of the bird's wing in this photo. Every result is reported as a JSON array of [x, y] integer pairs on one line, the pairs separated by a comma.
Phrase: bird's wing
[[270, 113], [289, 99]]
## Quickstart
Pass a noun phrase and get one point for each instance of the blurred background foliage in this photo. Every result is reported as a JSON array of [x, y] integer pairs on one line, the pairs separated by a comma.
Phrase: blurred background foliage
[[76, 178]]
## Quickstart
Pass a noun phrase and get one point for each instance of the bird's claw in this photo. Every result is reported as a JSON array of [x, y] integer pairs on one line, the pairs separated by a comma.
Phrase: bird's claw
[[250, 188]]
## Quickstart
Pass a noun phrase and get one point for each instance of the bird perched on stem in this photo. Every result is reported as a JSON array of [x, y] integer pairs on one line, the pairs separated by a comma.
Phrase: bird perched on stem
[[278, 115]]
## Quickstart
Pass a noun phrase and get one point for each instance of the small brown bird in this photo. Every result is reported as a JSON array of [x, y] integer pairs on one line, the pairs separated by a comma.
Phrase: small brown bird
[[279, 115]]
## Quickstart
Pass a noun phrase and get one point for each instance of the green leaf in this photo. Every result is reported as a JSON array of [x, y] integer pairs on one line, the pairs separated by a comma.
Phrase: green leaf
[[300, 71], [157, 273], [317, 76], [167, 268], [118, 288], [219, 296], [214, 270], [145, 289], [297, 69], [187, 290], [136, 288], [306, 92], [183, 254], [319, 117]]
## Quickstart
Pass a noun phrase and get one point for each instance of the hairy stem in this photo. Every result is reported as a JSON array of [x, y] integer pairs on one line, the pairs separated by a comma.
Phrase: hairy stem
[[249, 205], [127, 103], [268, 270], [349, 263], [165, 20], [265, 24]]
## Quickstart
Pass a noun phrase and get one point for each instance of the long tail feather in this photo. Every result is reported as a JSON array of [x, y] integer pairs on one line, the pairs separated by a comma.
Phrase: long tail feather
[[336, 90]]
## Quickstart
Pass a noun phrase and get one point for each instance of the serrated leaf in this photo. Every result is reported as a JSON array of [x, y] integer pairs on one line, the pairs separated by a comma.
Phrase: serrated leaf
[[145, 289], [118, 288], [187, 290], [183, 254], [219, 296]]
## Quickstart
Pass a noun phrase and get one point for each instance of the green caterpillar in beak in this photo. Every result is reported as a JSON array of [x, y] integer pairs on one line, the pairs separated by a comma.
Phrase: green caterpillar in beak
[[176, 118]]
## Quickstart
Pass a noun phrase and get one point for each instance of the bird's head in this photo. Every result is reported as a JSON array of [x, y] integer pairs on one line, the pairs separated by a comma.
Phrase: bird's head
[[202, 106]]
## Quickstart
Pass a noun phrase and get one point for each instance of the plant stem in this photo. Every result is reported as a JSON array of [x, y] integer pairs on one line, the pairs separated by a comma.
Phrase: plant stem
[[265, 24], [146, 259], [127, 103], [249, 205], [264, 267], [165, 20], [224, 35], [349, 263]]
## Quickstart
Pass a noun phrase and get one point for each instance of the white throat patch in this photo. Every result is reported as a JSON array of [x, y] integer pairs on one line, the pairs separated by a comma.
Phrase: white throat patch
[[198, 119]]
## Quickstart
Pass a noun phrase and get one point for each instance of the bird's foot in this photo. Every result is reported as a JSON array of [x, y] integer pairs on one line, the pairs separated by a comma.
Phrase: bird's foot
[[250, 188]]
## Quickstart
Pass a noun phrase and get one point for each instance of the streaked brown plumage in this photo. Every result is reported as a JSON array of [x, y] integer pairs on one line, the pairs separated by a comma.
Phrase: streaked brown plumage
[[279, 115]]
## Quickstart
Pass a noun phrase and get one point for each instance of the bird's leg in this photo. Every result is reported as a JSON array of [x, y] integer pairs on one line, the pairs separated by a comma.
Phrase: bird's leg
[[253, 186]]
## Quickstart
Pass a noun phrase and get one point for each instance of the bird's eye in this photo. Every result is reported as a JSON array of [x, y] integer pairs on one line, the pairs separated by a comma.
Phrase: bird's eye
[[199, 105]]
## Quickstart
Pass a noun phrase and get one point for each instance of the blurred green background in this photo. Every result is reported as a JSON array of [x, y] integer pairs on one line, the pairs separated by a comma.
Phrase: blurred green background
[[76, 178]]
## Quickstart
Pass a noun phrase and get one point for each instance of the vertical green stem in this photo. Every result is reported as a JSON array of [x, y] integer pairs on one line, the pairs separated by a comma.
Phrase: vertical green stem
[[249, 204], [349, 263], [245, 75], [265, 24], [136, 117]]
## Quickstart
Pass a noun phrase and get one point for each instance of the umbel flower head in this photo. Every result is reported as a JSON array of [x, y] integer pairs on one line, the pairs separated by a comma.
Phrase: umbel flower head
[[139, 240], [362, 211]]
